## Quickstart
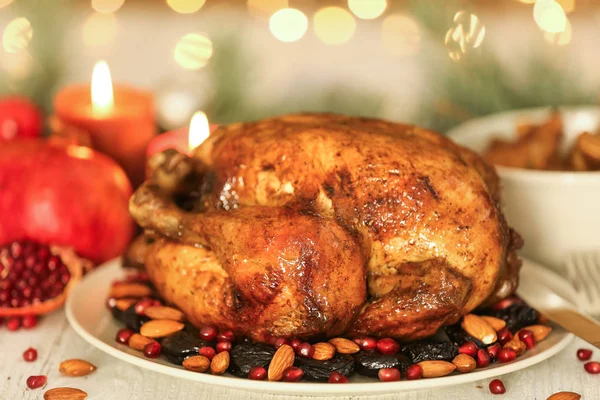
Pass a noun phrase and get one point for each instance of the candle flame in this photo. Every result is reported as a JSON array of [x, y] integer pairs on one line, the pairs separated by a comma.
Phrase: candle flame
[[102, 89], [199, 130]]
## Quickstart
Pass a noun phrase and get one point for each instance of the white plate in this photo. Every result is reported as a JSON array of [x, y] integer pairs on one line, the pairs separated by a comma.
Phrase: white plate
[[89, 317]]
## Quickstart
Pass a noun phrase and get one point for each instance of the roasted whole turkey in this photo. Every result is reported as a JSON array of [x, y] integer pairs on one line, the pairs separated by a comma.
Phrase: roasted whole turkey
[[317, 225]]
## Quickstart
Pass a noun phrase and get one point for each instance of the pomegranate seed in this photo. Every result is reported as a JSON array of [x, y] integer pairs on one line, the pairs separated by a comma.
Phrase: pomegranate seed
[[469, 348], [29, 321], [207, 352], [592, 367], [223, 346], [387, 346], [36, 381], [123, 335], [152, 350], [497, 387], [144, 303], [16, 249], [227, 336], [257, 374], [141, 276], [507, 355], [504, 335], [305, 350], [505, 303], [389, 374], [295, 343], [414, 372], [493, 350], [483, 359], [13, 324], [43, 253], [526, 336], [292, 374], [280, 342], [30, 354], [584, 354], [366, 343], [208, 333], [336, 377]]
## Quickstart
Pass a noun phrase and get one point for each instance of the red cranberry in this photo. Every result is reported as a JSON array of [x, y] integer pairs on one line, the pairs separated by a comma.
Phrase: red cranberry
[[493, 350], [280, 342], [30, 354], [389, 374], [526, 336], [226, 336], [123, 335], [483, 358], [387, 346], [592, 367], [29, 321], [292, 374], [305, 350], [336, 377], [414, 372], [505, 303], [366, 343], [295, 343], [469, 348], [504, 335], [208, 333], [497, 387], [584, 354], [257, 374], [507, 355], [36, 381], [13, 324], [152, 350], [207, 352], [223, 346]]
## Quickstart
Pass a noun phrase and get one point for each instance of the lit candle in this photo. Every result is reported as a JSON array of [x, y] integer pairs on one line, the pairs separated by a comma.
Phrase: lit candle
[[118, 119]]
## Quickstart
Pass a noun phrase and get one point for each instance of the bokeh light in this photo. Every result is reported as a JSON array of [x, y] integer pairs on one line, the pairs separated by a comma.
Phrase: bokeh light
[[567, 5], [527, 1], [17, 65], [288, 24], [367, 9], [193, 51], [549, 16], [4, 3], [467, 34], [99, 30], [266, 8], [400, 34], [16, 35], [186, 6], [107, 6], [560, 38], [334, 25]]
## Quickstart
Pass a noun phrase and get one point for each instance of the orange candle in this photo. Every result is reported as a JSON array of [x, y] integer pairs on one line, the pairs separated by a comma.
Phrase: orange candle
[[119, 119]]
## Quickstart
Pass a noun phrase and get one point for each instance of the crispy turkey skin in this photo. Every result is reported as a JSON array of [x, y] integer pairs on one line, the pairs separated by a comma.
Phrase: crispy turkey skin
[[314, 225]]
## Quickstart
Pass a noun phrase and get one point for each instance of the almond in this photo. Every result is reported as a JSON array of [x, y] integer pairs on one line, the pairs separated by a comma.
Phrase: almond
[[220, 363], [162, 312], [496, 323], [435, 368], [518, 346], [540, 332], [124, 304], [345, 346], [477, 327], [564, 395], [323, 351], [158, 328], [65, 393], [464, 363], [130, 290], [282, 360], [137, 341], [76, 367], [197, 363]]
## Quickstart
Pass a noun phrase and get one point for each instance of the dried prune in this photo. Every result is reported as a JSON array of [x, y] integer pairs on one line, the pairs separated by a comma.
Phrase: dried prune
[[517, 316], [320, 370], [430, 350], [179, 346], [368, 363], [457, 335], [131, 318], [247, 355]]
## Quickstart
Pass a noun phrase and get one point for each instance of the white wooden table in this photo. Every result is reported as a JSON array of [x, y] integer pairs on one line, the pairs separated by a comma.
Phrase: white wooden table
[[117, 380]]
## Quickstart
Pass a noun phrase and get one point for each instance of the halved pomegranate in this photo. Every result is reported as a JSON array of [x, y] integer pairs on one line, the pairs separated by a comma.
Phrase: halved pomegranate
[[36, 278]]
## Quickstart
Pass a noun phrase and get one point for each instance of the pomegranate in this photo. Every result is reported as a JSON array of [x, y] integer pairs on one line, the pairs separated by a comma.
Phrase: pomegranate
[[305, 350], [280, 342], [526, 336], [36, 381], [336, 377], [483, 358], [223, 346], [366, 343], [207, 352], [497, 387], [257, 374], [389, 374], [226, 336], [208, 333], [469, 348], [30, 354], [292, 374], [506, 355], [493, 350], [19, 118], [504, 335], [64, 195], [414, 372], [592, 367], [152, 350], [387, 346], [123, 335], [584, 354], [294, 343]]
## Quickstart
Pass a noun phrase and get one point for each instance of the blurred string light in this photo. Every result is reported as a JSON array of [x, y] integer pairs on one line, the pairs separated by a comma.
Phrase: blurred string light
[[99, 30], [549, 16], [186, 6], [334, 25], [266, 8], [367, 9], [468, 33], [288, 24], [400, 34], [560, 38], [17, 35], [4, 3], [193, 51], [107, 6]]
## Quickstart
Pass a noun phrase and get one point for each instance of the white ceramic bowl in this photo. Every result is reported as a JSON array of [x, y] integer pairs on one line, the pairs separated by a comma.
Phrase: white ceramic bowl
[[555, 212]]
